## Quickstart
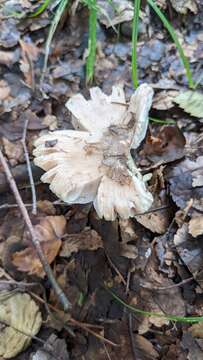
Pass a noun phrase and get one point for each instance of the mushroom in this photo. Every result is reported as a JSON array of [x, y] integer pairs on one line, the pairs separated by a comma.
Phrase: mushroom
[[93, 163]]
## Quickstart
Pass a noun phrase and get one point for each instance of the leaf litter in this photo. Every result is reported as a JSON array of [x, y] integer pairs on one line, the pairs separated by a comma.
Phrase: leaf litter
[[154, 259]]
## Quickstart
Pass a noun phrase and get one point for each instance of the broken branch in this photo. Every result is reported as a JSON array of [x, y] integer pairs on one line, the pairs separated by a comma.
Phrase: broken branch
[[35, 241]]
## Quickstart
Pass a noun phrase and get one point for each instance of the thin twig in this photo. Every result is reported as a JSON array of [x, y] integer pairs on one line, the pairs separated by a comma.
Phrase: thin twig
[[115, 269], [185, 281], [132, 340], [32, 184], [106, 351], [35, 241], [100, 337], [28, 205], [74, 322], [153, 210]]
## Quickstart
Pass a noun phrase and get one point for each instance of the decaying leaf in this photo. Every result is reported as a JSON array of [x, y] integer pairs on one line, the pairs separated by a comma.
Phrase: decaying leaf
[[157, 222], [191, 102], [164, 100], [49, 231], [4, 90], [29, 54], [165, 145], [114, 13], [93, 164], [53, 349], [85, 240], [182, 6], [190, 251], [8, 58], [14, 151], [128, 235], [157, 301], [17, 312], [184, 183], [197, 330], [196, 226]]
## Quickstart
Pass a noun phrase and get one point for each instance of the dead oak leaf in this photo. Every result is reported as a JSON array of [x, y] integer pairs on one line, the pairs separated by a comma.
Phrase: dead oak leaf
[[196, 226], [29, 54], [86, 240], [165, 145], [190, 251], [185, 183], [4, 90], [49, 232]]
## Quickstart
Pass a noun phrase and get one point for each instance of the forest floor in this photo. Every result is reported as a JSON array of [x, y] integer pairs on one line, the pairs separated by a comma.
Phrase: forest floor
[[153, 261]]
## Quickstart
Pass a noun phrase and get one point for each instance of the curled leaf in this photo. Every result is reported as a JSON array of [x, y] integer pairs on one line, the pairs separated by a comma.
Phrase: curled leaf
[[49, 231]]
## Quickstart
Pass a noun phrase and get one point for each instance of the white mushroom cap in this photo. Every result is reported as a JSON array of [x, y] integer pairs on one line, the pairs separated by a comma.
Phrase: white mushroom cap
[[93, 165]]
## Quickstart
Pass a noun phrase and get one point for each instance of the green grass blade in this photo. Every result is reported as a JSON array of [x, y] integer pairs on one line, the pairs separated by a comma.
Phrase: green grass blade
[[92, 42], [176, 41], [41, 9], [164, 122], [54, 24], [134, 42], [189, 319]]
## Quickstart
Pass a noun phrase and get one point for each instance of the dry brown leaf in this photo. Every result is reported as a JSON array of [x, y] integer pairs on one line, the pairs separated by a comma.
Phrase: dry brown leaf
[[184, 180], [196, 226], [46, 207], [29, 54], [165, 145], [58, 346], [13, 150], [86, 240], [121, 11], [157, 222], [128, 235], [145, 347], [163, 100], [190, 251], [50, 121], [17, 312], [182, 6], [49, 231], [4, 90], [197, 330], [8, 58], [158, 303]]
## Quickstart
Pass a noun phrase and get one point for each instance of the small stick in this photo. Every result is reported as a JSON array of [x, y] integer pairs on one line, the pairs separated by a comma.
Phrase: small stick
[[84, 326], [115, 269], [32, 184], [185, 281], [35, 241], [132, 340]]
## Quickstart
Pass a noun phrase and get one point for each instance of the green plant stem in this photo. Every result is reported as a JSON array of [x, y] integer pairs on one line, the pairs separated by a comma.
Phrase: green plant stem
[[41, 9], [92, 42], [176, 41], [54, 24], [159, 121], [134, 42], [189, 319]]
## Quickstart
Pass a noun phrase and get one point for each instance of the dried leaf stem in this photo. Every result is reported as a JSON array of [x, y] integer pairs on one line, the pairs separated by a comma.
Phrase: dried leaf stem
[[35, 241], [27, 159]]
